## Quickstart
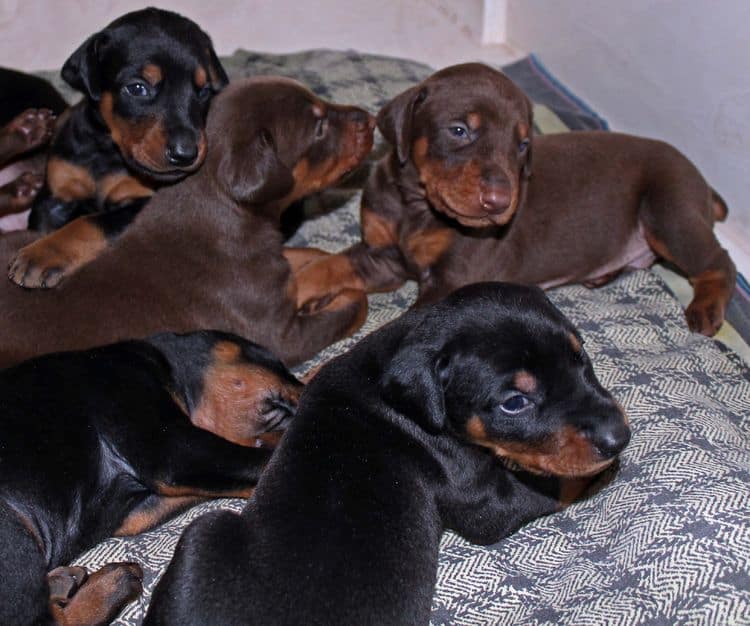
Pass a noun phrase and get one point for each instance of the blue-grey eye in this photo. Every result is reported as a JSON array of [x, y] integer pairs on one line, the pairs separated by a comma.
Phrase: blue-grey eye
[[515, 404], [523, 146], [458, 130], [204, 92], [137, 90]]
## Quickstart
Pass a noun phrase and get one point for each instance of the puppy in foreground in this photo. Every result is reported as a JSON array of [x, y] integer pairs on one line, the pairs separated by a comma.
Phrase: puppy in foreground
[[394, 443], [114, 441], [460, 199]]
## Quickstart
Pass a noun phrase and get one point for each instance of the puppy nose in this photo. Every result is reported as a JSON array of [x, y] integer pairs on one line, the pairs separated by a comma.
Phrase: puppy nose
[[495, 197], [182, 151], [611, 438]]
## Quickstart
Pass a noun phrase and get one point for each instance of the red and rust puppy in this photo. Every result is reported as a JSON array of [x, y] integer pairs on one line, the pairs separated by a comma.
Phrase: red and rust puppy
[[454, 202], [147, 80], [208, 251], [119, 439], [393, 443]]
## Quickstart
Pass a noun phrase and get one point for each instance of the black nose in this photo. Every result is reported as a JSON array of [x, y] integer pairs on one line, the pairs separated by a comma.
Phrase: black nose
[[182, 151], [611, 438]]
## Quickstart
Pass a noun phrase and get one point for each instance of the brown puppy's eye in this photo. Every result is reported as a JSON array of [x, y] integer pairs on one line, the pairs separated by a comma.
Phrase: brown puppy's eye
[[523, 146], [459, 131], [137, 90], [321, 127], [515, 404]]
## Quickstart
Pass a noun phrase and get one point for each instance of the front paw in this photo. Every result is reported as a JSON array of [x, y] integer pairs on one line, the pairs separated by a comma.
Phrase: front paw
[[40, 265], [23, 190], [31, 129], [705, 316]]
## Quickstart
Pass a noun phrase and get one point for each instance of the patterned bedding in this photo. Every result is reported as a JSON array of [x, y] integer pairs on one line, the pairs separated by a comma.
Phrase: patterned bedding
[[663, 540]]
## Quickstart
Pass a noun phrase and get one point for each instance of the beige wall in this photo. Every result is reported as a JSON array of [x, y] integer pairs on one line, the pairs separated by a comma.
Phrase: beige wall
[[40, 34], [678, 70]]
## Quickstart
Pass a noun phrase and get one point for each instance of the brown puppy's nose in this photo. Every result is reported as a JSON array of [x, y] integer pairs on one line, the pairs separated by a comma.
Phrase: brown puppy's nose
[[495, 197]]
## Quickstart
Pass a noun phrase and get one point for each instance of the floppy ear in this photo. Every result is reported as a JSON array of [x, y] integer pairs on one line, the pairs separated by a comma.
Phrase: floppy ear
[[81, 71], [395, 120], [413, 385], [216, 73], [253, 173], [527, 163]]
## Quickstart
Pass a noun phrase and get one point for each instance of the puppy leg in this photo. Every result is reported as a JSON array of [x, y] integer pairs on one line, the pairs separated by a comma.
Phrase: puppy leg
[[17, 195], [101, 597], [322, 322], [47, 261], [182, 460], [31, 129], [679, 228]]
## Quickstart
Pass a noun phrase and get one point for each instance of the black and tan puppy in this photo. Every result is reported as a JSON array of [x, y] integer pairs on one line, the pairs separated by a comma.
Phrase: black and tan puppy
[[147, 80], [113, 441], [208, 251], [456, 202], [393, 443]]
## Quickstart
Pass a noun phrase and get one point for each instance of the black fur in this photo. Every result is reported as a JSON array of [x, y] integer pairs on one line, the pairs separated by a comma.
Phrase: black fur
[[345, 524]]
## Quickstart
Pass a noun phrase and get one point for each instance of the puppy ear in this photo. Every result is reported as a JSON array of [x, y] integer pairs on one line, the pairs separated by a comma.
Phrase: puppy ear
[[81, 71], [413, 385], [527, 163], [395, 120], [254, 174], [216, 73]]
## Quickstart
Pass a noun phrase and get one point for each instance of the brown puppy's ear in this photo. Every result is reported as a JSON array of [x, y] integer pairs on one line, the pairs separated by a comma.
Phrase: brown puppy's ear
[[253, 173], [395, 120], [81, 71], [413, 385], [527, 163]]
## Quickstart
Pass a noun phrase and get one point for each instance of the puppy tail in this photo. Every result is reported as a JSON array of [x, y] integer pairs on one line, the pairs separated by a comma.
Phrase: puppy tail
[[719, 206]]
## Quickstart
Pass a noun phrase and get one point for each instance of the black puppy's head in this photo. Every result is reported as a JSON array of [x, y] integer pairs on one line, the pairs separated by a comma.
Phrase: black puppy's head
[[274, 141], [230, 386], [467, 130], [498, 365], [151, 75]]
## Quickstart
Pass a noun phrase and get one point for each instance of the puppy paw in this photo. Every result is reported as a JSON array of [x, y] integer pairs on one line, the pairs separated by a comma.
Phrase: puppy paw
[[104, 594], [705, 317], [41, 265], [30, 129], [64, 582], [22, 191]]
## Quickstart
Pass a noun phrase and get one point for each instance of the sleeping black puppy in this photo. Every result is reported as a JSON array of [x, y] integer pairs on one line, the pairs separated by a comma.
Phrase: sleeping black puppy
[[148, 79], [115, 440], [393, 443]]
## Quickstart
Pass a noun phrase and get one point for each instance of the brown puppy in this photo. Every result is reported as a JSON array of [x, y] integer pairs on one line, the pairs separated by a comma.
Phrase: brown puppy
[[207, 252], [449, 205]]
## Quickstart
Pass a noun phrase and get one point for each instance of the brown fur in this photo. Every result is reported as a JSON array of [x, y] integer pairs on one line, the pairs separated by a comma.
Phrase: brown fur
[[588, 204], [207, 252]]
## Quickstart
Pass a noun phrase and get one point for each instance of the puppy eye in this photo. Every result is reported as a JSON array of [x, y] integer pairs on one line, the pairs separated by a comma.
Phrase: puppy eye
[[515, 404], [137, 90], [459, 130], [523, 146], [204, 92], [321, 126]]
